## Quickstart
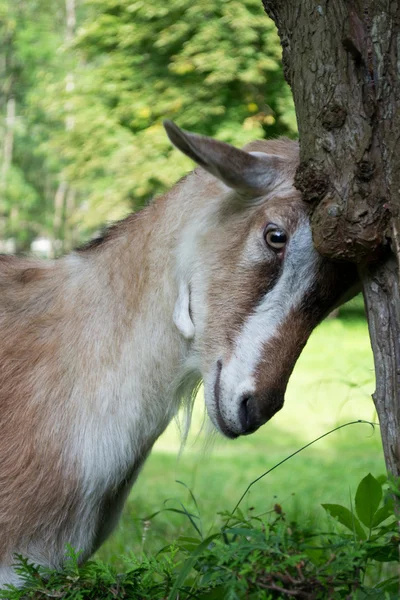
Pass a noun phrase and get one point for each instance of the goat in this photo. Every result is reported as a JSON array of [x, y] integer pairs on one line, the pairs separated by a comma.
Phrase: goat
[[217, 280]]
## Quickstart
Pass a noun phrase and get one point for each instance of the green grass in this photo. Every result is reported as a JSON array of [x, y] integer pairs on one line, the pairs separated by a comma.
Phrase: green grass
[[332, 384]]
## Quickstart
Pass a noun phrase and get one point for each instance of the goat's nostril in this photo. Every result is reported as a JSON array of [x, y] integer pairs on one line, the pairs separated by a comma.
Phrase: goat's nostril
[[256, 408], [247, 415]]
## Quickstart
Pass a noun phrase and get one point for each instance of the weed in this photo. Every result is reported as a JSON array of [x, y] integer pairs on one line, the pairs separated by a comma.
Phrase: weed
[[254, 557]]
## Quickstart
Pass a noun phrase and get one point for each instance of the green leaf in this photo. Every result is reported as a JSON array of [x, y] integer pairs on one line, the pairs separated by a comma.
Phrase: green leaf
[[384, 552], [382, 479], [389, 585], [346, 518], [188, 565], [368, 498], [383, 513], [187, 543], [214, 594]]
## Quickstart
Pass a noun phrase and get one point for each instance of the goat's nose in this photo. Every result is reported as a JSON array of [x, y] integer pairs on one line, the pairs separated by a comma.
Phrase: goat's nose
[[249, 416], [257, 409]]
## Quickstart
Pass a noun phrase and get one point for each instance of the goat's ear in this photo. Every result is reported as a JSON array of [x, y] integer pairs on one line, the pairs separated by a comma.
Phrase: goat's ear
[[182, 317], [253, 173]]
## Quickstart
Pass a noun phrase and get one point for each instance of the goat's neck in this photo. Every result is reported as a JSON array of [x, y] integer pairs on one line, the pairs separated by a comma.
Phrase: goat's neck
[[136, 355]]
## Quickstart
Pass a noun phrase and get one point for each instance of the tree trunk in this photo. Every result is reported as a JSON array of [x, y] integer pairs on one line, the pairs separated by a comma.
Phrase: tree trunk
[[64, 200], [342, 61], [59, 199], [6, 161], [70, 238]]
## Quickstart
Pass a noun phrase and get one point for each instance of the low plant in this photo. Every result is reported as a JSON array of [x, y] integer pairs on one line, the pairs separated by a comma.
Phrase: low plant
[[257, 557], [254, 557]]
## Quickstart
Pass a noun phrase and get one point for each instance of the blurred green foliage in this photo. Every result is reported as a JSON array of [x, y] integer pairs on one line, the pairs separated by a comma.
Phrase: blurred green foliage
[[88, 143], [29, 40]]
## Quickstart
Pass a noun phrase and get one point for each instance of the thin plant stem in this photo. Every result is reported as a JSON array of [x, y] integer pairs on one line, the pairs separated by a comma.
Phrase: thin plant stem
[[371, 423]]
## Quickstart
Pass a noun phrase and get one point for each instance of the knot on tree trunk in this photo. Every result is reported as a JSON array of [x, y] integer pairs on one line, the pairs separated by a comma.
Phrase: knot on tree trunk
[[355, 237], [350, 215], [333, 116], [312, 181]]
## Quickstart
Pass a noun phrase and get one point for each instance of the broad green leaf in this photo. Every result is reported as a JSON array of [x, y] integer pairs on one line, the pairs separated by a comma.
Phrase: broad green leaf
[[346, 518], [368, 498], [381, 479], [390, 527], [383, 513]]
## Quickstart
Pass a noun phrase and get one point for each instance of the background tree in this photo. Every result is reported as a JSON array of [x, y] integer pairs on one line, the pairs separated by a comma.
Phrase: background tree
[[341, 60], [214, 66], [31, 34], [113, 69]]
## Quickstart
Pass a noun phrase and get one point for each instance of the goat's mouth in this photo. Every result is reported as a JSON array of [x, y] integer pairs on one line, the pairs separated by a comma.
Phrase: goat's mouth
[[217, 393]]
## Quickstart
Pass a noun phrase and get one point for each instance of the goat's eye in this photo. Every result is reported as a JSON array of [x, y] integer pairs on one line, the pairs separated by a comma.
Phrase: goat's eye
[[275, 238]]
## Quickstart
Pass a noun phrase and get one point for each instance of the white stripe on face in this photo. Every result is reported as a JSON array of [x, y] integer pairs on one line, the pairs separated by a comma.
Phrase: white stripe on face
[[237, 376]]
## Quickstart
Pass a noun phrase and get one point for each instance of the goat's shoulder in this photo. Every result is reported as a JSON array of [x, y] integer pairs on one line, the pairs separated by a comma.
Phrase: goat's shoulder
[[24, 273], [21, 270], [27, 283]]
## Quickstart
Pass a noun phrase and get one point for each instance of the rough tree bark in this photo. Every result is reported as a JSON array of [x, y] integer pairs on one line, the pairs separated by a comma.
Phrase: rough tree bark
[[342, 61]]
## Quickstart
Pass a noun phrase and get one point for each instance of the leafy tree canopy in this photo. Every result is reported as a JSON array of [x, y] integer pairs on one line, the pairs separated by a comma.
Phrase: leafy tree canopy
[[93, 107]]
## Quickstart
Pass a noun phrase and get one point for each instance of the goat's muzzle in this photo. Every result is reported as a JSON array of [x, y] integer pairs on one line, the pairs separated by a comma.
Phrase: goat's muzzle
[[257, 409], [249, 410]]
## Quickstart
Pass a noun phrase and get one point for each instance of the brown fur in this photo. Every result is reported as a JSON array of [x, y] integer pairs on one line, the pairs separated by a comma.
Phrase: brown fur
[[33, 481]]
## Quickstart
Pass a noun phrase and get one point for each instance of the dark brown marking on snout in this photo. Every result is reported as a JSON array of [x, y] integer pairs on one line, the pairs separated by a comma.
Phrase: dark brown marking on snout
[[336, 283], [280, 353], [271, 402], [257, 409], [279, 357]]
